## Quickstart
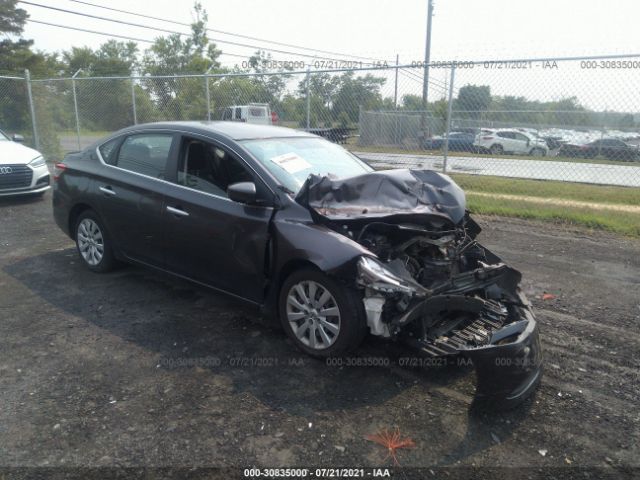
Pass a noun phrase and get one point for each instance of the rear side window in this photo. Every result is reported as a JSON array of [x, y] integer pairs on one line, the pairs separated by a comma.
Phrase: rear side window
[[519, 136], [238, 113], [108, 151], [146, 154], [506, 135], [257, 112]]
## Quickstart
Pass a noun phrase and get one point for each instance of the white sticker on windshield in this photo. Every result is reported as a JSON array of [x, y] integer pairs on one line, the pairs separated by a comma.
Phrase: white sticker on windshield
[[291, 162]]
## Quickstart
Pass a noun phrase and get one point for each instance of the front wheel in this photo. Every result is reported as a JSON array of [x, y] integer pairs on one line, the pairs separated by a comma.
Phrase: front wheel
[[322, 317], [93, 243]]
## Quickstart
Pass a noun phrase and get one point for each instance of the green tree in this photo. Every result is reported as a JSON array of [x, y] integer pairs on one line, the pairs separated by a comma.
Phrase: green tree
[[355, 92], [473, 100], [412, 102], [180, 98]]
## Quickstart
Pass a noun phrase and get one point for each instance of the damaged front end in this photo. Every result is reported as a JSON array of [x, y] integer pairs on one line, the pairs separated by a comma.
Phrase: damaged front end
[[428, 282]]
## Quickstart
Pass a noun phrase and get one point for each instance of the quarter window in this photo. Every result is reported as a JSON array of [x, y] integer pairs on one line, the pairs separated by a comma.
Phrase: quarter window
[[108, 151], [146, 154]]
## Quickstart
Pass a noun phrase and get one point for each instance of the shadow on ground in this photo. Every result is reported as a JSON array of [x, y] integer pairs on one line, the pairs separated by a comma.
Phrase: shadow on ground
[[184, 323]]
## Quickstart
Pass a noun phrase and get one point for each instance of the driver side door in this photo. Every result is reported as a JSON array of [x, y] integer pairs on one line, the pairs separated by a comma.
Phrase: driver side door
[[210, 238]]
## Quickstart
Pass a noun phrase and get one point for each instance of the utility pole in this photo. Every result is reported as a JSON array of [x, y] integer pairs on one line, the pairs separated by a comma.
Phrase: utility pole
[[425, 81]]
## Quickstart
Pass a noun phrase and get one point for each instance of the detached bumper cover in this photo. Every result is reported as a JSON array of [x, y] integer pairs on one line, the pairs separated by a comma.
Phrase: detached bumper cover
[[511, 371]]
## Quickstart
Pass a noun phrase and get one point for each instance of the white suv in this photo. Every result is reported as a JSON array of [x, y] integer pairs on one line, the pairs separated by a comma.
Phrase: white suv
[[22, 169], [502, 141]]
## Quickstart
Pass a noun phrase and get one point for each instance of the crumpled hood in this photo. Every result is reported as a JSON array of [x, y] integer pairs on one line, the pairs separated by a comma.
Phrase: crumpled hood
[[15, 153], [384, 193]]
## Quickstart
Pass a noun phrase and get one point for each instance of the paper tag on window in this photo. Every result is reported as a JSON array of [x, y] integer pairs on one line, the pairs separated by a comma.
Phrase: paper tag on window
[[291, 162]]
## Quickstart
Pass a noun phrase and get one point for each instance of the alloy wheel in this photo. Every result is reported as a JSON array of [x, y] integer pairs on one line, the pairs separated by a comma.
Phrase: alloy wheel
[[90, 241], [313, 314]]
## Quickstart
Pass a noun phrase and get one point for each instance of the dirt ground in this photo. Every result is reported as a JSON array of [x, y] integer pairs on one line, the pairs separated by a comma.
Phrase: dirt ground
[[136, 369]]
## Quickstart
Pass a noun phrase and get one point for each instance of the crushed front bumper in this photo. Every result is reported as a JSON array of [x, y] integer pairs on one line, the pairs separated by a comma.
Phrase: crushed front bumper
[[506, 354], [507, 373]]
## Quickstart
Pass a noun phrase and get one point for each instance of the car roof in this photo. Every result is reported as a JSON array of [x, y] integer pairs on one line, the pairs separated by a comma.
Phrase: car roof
[[232, 130]]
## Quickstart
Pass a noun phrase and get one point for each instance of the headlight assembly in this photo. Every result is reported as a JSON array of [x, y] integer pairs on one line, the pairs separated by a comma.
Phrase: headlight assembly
[[37, 162], [373, 274]]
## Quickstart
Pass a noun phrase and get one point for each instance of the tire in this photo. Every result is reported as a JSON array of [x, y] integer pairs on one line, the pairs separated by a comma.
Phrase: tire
[[537, 152], [93, 243], [328, 335], [496, 149]]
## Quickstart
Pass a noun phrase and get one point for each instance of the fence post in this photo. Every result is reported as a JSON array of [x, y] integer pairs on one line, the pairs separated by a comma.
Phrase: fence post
[[133, 101], [75, 105], [308, 98], [396, 138], [36, 138], [208, 95], [208, 92], [448, 129]]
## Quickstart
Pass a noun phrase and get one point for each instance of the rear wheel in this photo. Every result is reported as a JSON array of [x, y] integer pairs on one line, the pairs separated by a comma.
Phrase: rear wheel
[[322, 317], [93, 243], [496, 149]]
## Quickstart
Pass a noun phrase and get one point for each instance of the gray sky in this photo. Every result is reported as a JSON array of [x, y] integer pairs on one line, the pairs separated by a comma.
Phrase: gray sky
[[462, 29]]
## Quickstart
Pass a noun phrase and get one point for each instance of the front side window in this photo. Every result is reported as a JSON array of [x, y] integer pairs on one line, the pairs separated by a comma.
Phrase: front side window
[[208, 168], [146, 154], [521, 137], [292, 160]]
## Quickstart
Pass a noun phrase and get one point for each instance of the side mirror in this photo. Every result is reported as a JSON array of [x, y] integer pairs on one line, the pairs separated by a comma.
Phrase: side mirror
[[17, 138], [242, 192]]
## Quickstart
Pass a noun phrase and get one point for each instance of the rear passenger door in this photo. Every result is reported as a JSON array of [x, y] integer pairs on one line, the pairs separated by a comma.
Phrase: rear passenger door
[[521, 143], [507, 140], [131, 192]]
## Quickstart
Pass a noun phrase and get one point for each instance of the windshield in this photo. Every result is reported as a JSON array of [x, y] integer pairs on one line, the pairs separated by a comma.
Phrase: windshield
[[291, 160], [3, 137]]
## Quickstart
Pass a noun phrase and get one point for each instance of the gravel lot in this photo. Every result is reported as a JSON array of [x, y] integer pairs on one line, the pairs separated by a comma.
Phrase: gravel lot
[[91, 374]]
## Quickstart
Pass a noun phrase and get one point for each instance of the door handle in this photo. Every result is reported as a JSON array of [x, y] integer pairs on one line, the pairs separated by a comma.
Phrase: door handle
[[178, 212], [107, 190]]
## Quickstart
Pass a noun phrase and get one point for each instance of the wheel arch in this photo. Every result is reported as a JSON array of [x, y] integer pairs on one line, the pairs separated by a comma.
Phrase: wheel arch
[[75, 212]]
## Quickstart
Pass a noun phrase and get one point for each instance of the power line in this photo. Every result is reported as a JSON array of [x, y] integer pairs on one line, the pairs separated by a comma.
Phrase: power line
[[248, 37], [124, 37], [138, 25]]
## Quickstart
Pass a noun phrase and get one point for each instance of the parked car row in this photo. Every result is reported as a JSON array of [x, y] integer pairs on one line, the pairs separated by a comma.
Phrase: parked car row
[[526, 142], [610, 148], [494, 141]]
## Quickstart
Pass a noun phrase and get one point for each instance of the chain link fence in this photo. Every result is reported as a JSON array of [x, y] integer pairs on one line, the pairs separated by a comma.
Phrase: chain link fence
[[498, 127]]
